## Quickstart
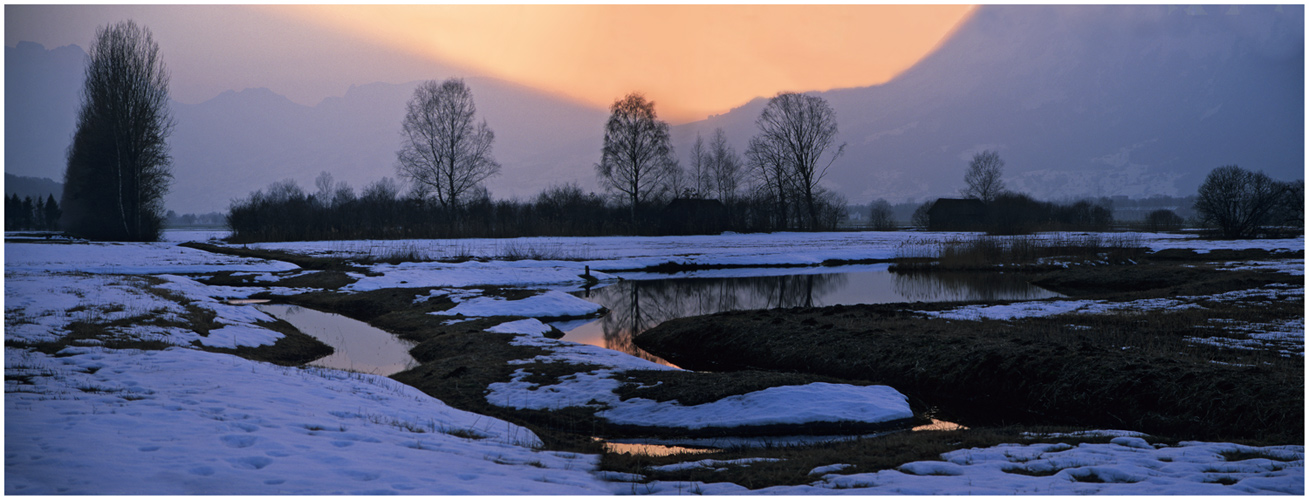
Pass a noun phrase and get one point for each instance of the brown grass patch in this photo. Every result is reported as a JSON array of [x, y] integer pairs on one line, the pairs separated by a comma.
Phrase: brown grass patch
[[1127, 370]]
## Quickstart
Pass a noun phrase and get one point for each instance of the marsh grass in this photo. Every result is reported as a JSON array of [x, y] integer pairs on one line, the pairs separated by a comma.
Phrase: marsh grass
[[304, 261], [864, 456], [1127, 369], [988, 252]]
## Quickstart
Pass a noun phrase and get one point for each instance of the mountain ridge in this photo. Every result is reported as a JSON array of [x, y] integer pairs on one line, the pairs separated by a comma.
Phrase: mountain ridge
[[1078, 100]]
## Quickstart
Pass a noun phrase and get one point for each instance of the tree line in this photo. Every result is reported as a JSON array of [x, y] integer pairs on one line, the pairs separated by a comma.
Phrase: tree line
[[284, 211], [27, 214], [119, 168], [447, 154]]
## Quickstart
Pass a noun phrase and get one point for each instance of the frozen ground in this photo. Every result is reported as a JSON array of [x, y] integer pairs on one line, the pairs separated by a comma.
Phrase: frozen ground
[[186, 422], [1124, 466], [181, 421], [631, 252]]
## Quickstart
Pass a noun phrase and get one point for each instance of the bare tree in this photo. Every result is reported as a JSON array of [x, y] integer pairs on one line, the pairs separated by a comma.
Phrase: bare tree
[[880, 216], [701, 181], [637, 156], [922, 217], [119, 167], [1163, 220], [769, 168], [724, 166], [445, 152], [1239, 202], [983, 177], [802, 129]]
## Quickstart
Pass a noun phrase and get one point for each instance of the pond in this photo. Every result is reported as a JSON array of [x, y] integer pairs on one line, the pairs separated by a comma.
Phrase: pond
[[357, 345], [638, 305]]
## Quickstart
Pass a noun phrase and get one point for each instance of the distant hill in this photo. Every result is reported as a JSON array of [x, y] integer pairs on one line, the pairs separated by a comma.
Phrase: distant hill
[[240, 141], [41, 98], [1078, 100], [35, 187], [237, 142]]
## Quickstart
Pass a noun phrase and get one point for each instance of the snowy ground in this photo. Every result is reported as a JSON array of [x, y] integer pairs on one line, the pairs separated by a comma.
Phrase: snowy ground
[[631, 252], [1125, 466], [92, 420]]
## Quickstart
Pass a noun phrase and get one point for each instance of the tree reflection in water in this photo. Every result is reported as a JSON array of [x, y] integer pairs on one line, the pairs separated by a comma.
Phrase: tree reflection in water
[[638, 305], [941, 287]]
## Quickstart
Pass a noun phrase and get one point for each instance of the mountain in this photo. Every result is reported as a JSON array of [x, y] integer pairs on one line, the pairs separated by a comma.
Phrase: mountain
[[34, 187], [238, 142], [1078, 101], [41, 97]]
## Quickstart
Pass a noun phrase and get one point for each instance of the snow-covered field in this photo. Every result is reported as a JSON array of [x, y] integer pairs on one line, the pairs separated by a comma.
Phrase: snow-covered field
[[1124, 466], [92, 420], [631, 252]]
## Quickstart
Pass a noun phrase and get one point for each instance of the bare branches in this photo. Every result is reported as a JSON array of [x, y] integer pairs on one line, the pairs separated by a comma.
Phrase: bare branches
[[1239, 202], [637, 157], [983, 177], [798, 131], [119, 167], [445, 152]]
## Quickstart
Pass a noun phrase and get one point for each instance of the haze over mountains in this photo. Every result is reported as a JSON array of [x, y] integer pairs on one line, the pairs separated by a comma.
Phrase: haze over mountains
[[1079, 101]]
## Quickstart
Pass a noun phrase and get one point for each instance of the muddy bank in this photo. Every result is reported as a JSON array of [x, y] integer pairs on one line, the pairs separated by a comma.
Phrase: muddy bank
[[1123, 370], [460, 361]]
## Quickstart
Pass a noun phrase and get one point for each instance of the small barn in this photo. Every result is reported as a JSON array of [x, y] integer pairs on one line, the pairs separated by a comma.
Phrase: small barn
[[953, 214]]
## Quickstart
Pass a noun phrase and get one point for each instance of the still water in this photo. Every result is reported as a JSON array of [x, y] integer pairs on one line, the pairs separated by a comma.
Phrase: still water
[[358, 346], [638, 305]]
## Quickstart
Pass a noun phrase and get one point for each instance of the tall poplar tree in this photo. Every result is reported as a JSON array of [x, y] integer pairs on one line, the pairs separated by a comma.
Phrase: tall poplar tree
[[119, 167]]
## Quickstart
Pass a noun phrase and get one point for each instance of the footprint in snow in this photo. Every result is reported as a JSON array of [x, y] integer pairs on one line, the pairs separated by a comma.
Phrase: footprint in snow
[[359, 475], [238, 441], [250, 463]]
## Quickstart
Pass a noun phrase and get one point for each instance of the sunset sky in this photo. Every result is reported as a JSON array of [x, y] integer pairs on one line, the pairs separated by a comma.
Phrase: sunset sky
[[693, 60]]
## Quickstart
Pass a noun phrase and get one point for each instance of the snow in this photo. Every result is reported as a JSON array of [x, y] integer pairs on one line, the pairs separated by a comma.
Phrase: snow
[[1041, 308], [186, 422], [183, 421], [549, 304], [607, 253], [128, 258], [202, 235], [828, 469], [1125, 467], [813, 403], [523, 327], [1036, 309], [712, 464], [795, 404], [472, 273], [40, 307]]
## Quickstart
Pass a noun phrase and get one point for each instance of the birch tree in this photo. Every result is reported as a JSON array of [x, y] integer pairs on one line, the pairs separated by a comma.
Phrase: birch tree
[[637, 157], [984, 177], [446, 153]]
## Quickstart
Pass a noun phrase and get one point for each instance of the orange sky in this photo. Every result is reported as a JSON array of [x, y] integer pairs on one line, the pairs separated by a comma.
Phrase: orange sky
[[692, 60]]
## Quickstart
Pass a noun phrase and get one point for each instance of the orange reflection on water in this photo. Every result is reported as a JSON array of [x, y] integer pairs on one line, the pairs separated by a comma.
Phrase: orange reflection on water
[[940, 425], [652, 450]]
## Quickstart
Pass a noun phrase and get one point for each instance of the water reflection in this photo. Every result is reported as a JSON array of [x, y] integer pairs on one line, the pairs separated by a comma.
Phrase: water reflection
[[944, 287], [357, 345], [638, 305]]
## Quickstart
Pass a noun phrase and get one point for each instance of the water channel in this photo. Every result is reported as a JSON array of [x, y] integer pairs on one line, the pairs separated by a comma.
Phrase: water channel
[[637, 305], [357, 346]]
